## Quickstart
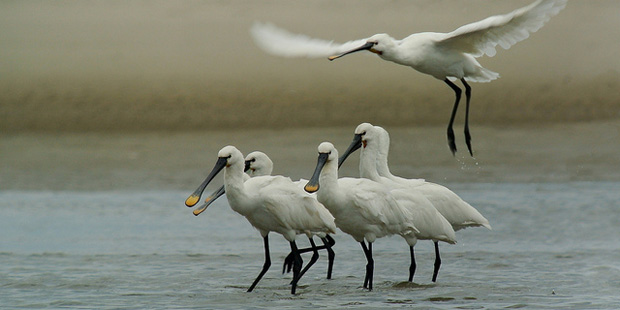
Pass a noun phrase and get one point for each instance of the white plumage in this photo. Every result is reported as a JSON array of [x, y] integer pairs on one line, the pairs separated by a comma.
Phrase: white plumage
[[430, 223], [269, 203], [458, 212], [258, 164], [445, 56], [436, 199], [280, 42], [362, 208]]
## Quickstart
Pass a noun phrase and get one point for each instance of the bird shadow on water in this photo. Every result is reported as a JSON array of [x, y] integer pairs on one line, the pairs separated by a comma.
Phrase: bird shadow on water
[[411, 285]]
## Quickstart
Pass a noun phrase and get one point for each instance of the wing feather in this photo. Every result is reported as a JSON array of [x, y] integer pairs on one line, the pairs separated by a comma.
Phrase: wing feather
[[482, 37], [280, 42]]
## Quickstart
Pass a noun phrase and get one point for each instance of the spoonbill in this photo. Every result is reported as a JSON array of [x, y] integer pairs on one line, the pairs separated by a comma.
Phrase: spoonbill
[[269, 203], [431, 224], [259, 164], [446, 56], [362, 208], [375, 141]]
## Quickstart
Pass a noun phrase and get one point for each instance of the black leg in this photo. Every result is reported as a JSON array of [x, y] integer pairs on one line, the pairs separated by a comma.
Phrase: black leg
[[296, 266], [437, 262], [265, 266], [457, 91], [327, 244], [370, 266], [413, 265], [467, 135], [313, 259], [328, 241]]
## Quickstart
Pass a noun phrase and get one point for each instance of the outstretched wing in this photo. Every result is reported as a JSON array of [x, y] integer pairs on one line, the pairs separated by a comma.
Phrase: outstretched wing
[[504, 30], [280, 42]]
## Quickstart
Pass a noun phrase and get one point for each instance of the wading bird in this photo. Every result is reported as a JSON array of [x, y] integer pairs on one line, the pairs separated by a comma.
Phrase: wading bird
[[362, 208], [431, 224], [445, 56], [269, 203], [259, 164], [375, 142]]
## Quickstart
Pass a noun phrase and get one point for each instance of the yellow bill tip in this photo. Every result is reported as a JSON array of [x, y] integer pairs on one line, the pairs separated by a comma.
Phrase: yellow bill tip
[[198, 211], [311, 188], [332, 57], [192, 200]]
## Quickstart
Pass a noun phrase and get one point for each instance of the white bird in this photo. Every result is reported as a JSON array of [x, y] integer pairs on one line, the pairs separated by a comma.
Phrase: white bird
[[269, 203], [431, 224], [362, 208], [256, 164], [456, 211], [259, 164], [445, 56]]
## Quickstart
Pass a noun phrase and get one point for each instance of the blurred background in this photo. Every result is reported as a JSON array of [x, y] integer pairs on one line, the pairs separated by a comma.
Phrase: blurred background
[[153, 65], [142, 94]]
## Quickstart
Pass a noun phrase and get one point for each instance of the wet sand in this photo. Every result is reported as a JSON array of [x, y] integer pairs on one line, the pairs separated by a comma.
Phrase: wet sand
[[149, 65], [121, 95], [166, 161]]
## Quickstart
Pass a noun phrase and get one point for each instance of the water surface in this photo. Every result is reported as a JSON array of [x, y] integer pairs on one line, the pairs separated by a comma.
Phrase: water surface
[[553, 245]]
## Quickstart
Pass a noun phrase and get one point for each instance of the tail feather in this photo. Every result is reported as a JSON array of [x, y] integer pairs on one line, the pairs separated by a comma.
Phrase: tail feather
[[482, 75]]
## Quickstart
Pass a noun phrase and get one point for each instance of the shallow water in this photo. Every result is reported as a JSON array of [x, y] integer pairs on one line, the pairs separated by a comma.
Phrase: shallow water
[[553, 245]]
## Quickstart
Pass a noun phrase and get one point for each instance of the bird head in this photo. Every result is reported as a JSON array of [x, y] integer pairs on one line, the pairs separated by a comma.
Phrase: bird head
[[327, 153], [227, 156], [258, 163], [365, 135]]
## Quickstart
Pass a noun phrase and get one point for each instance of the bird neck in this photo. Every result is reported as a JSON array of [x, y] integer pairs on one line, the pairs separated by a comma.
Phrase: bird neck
[[368, 166], [234, 186], [382, 157], [382, 165], [328, 181]]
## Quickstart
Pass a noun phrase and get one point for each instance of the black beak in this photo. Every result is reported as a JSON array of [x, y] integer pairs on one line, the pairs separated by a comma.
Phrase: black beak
[[313, 185], [247, 165], [354, 146], [195, 197], [209, 200], [364, 47]]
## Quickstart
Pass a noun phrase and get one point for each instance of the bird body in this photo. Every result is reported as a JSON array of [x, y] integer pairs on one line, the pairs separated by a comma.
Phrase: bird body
[[430, 223], [270, 204], [420, 52], [446, 56], [438, 212], [362, 208], [365, 210], [458, 212]]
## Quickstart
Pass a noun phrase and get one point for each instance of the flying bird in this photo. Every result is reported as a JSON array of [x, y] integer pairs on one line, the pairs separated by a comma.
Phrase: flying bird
[[446, 56]]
